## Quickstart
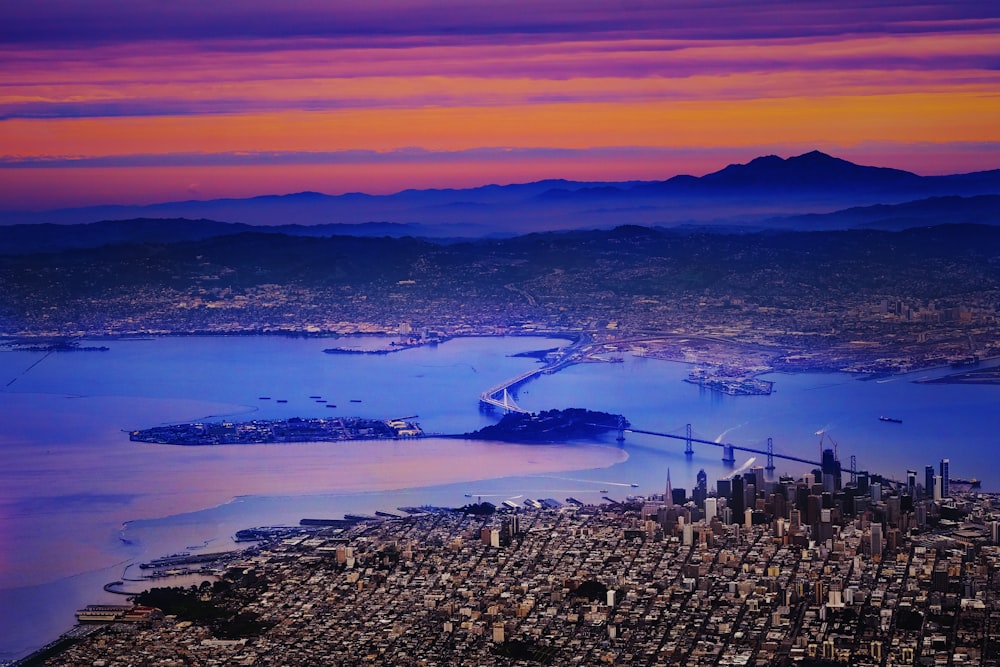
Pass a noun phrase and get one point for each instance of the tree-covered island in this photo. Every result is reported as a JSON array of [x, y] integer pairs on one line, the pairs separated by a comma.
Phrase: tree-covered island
[[550, 426]]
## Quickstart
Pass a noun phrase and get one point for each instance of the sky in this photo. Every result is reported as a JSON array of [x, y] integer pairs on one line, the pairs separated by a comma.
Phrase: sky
[[143, 101]]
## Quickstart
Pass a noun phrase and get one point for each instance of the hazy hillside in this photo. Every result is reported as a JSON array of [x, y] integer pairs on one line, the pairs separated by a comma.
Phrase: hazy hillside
[[738, 194]]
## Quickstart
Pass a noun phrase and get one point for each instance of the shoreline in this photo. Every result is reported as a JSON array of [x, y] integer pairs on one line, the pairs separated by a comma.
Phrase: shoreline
[[363, 476], [154, 407]]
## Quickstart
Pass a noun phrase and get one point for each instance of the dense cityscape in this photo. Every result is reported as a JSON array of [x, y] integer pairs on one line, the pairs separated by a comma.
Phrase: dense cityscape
[[752, 572], [855, 301], [367, 333]]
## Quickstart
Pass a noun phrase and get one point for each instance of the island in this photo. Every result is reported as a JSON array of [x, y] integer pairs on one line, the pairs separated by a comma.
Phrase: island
[[550, 426], [266, 431]]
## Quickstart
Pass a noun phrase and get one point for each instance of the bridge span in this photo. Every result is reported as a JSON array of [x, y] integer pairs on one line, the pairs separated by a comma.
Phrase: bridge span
[[499, 395], [728, 449]]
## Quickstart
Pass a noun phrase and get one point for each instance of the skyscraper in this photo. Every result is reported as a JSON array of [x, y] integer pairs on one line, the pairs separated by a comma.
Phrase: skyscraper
[[701, 488], [928, 481], [737, 504], [830, 471], [944, 478], [876, 540], [711, 508], [668, 496]]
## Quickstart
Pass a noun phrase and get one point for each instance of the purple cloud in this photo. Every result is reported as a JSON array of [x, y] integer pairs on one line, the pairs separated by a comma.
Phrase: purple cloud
[[102, 21]]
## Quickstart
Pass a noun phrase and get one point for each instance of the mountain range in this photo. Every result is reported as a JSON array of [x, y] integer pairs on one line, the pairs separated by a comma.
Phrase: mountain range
[[809, 191]]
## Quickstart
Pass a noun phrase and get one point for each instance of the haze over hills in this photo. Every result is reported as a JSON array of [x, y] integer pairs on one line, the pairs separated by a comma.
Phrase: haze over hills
[[745, 194]]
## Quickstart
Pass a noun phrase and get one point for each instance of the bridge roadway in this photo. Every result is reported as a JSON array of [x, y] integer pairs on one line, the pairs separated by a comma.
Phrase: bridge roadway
[[489, 396], [787, 457], [572, 354]]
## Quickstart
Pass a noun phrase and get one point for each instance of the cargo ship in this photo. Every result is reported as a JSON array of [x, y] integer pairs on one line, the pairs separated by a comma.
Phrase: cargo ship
[[891, 420]]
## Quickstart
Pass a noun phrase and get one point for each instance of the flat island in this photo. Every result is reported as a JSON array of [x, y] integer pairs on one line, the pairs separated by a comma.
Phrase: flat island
[[550, 426], [989, 375], [265, 431]]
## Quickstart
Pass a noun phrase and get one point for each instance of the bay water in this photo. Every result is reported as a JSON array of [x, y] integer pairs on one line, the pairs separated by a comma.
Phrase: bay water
[[79, 502]]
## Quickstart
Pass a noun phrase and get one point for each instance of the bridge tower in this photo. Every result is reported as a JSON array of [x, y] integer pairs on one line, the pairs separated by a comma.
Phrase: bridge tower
[[854, 469], [728, 457], [508, 402], [770, 457], [621, 429], [688, 450]]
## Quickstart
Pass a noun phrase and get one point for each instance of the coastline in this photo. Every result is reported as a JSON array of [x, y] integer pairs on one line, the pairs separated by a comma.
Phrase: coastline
[[185, 482], [287, 487]]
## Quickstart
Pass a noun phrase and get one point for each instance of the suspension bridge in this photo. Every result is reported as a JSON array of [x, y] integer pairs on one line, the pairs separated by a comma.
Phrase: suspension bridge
[[728, 450], [498, 396]]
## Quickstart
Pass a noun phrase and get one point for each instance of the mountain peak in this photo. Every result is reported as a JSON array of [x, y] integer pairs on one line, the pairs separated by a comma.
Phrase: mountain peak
[[814, 169]]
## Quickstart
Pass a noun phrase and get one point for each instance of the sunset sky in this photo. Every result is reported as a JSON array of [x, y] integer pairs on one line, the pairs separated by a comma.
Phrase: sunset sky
[[142, 101]]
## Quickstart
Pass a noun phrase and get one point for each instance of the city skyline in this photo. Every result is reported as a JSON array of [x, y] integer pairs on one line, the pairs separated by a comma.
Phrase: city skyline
[[114, 102]]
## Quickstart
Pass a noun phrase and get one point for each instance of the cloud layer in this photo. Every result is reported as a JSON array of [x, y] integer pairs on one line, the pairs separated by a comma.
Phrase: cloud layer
[[160, 86]]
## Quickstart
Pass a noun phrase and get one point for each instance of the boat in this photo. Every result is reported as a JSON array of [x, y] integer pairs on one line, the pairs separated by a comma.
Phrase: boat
[[355, 400], [315, 397], [603, 491], [282, 400], [891, 420], [264, 398], [634, 485]]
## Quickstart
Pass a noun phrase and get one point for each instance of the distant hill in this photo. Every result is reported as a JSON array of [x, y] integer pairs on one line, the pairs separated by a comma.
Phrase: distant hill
[[982, 210], [766, 188], [48, 237]]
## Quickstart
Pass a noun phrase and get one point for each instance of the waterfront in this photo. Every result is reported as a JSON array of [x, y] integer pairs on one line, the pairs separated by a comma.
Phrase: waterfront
[[70, 478]]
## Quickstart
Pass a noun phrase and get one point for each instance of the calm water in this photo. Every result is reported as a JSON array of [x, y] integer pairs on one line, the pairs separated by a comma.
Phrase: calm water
[[78, 501]]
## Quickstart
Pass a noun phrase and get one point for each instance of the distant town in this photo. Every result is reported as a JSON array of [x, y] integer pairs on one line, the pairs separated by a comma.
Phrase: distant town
[[761, 572], [735, 306]]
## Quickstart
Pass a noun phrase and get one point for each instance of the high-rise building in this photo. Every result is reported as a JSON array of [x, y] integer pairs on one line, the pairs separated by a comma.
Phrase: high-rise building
[[737, 500], [944, 478], [911, 481], [863, 481], [928, 481], [700, 488], [668, 496], [876, 543], [875, 650], [814, 504], [937, 488], [711, 508], [831, 471]]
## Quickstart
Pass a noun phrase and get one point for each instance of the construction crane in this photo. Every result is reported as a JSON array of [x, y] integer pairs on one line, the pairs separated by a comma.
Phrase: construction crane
[[836, 454]]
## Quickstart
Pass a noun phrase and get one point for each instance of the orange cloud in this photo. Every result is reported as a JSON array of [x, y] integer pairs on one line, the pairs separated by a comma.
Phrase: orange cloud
[[941, 117]]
